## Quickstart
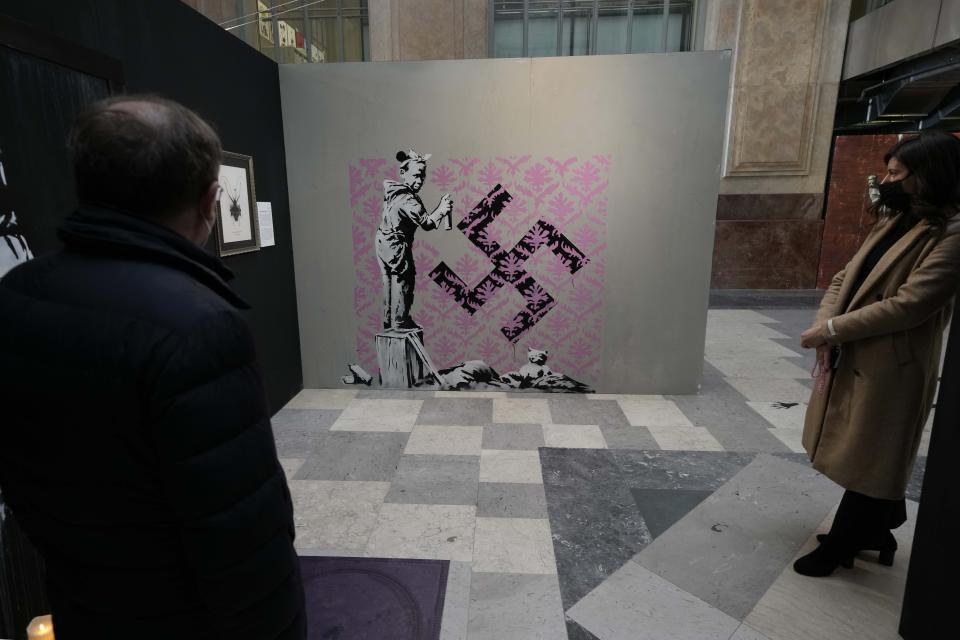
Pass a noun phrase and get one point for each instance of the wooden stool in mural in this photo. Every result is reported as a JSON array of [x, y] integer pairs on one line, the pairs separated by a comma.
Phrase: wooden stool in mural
[[403, 360]]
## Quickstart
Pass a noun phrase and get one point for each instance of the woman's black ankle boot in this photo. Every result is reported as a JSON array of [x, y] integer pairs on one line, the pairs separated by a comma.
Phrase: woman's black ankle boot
[[823, 560], [887, 548]]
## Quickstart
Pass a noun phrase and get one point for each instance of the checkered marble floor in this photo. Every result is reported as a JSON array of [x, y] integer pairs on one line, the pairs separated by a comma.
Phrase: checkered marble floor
[[498, 484]]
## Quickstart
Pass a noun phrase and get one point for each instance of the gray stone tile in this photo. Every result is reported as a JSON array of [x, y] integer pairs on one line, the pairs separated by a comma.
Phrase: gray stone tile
[[454, 411], [914, 485], [629, 437], [303, 420], [295, 445], [511, 500], [572, 410], [578, 467], [394, 394], [731, 548], [636, 604], [685, 470], [576, 632], [711, 371], [793, 343], [456, 602], [595, 522], [792, 322], [296, 432], [527, 393], [596, 529], [515, 606], [349, 455], [513, 436], [662, 508], [723, 411], [431, 479]]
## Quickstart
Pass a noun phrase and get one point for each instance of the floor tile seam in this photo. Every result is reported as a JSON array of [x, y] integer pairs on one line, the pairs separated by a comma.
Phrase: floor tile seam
[[681, 590], [376, 522]]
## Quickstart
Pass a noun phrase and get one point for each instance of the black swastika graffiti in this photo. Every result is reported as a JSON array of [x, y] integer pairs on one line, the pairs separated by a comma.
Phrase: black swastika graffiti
[[508, 265]]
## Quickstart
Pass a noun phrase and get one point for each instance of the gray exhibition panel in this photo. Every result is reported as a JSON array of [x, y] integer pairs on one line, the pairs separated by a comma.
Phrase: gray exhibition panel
[[653, 123]]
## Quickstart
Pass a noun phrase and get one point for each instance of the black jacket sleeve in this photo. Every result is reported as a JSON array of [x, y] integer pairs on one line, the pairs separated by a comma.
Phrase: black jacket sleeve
[[210, 428]]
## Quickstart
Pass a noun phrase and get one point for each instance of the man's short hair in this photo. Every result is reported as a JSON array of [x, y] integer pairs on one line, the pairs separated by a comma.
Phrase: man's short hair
[[143, 154]]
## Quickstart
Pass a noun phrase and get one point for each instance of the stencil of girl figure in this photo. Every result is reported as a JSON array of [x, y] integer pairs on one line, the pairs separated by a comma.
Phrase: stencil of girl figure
[[13, 246], [403, 213]]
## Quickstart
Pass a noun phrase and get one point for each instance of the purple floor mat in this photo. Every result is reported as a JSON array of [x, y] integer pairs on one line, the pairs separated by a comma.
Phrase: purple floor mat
[[373, 598]]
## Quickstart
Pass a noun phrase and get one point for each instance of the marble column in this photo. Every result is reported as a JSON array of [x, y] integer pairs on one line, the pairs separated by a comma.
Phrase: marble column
[[788, 58]]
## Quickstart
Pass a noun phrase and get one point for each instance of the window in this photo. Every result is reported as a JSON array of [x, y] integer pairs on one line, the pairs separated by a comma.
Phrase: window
[[312, 31], [860, 8], [532, 28]]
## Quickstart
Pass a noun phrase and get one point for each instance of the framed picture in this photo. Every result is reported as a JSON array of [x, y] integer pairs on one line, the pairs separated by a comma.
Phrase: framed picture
[[238, 230]]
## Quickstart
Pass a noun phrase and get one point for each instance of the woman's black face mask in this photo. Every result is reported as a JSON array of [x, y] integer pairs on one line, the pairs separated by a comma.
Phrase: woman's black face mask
[[892, 196]]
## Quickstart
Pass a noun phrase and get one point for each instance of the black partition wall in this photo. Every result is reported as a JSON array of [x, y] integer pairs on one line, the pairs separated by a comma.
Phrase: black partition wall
[[931, 590], [165, 47]]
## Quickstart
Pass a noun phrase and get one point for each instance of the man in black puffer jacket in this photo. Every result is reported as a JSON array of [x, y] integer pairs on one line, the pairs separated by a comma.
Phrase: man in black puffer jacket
[[135, 443]]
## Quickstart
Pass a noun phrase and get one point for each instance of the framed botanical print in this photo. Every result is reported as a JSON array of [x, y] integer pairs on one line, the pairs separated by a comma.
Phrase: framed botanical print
[[238, 230]]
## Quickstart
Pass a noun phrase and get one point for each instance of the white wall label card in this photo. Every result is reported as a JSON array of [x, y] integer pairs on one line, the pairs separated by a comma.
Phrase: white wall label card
[[265, 213]]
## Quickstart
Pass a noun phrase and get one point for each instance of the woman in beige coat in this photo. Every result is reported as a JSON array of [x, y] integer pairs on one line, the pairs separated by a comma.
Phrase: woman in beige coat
[[878, 337]]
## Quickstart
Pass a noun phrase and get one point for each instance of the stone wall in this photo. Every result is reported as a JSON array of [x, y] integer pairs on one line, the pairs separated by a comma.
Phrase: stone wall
[[428, 29], [788, 56]]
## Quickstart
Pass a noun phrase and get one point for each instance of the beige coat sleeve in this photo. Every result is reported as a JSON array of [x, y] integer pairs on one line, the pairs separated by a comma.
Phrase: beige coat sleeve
[[928, 288], [828, 304]]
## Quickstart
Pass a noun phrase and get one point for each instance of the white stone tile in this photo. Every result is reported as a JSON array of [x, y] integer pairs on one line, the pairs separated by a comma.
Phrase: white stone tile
[[291, 466], [335, 515], [322, 399], [854, 604], [515, 607], [621, 396], [684, 438], [748, 366], [378, 415], [574, 436], [513, 545], [653, 413], [737, 316], [469, 394], [456, 602], [781, 416], [497, 465], [452, 441], [432, 531], [521, 410], [770, 389], [636, 604]]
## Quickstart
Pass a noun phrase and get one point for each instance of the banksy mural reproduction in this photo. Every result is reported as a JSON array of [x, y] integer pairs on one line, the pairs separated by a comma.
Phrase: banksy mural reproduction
[[13, 246], [528, 289]]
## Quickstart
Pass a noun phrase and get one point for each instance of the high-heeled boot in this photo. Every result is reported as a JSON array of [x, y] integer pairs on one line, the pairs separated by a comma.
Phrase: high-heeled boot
[[823, 561], [887, 547]]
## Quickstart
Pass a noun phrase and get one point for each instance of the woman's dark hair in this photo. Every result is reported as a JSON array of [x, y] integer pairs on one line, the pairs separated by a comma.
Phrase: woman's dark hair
[[933, 160], [143, 154]]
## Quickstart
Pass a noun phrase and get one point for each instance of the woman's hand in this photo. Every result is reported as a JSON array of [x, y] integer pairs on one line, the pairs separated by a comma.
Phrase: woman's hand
[[815, 336], [823, 357]]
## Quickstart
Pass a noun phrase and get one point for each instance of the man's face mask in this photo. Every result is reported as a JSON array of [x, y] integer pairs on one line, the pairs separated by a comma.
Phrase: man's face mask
[[892, 196]]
